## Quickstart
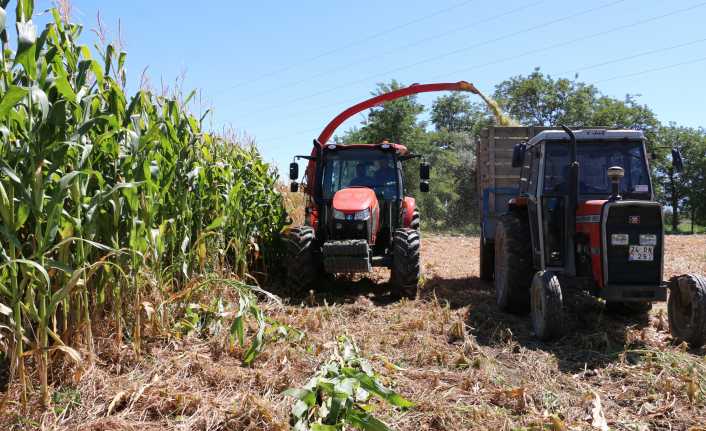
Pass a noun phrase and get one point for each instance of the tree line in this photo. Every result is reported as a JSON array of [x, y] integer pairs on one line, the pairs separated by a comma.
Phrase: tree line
[[446, 134]]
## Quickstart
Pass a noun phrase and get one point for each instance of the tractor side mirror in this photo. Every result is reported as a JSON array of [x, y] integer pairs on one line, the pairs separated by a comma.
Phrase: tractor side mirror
[[293, 171], [424, 186], [677, 162], [518, 155], [424, 171], [294, 187]]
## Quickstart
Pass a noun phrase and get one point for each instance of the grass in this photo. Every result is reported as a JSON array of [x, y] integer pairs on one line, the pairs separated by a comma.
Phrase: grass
[[685, 228]]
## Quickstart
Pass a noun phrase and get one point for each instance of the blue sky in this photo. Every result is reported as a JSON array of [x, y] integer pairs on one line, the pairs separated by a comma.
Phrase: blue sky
[[279, 71]]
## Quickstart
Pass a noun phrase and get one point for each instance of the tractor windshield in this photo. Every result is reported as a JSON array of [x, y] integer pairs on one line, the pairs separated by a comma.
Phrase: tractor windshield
[[362, 168], [595, 158]]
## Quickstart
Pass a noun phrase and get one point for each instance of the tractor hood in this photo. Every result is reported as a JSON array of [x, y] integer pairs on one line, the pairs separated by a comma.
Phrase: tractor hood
[[354, 199]]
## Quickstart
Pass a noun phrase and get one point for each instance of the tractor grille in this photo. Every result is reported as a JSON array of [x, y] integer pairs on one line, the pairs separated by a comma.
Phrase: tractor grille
[[633, 219], [350, 229]]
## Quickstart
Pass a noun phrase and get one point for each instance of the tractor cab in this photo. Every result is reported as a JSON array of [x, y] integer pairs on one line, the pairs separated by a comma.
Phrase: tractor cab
[[545, 185]]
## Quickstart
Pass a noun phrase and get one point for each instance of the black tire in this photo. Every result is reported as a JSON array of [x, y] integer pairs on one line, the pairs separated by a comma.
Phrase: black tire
[[301, 265], [487, 259], [405, 271], [547, 306], [416, 220], [513, 264], [687, 309], [628, 308]]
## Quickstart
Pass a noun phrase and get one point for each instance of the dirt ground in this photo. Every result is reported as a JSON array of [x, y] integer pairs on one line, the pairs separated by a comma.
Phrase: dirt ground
[[492, 375]]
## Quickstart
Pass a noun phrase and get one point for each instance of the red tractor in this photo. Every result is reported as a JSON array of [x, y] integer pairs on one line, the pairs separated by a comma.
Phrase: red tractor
[[357, 214], [585, 216]]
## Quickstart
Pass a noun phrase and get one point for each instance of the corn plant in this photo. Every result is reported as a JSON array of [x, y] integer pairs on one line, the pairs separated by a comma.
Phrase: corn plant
[[108, 202], [339, 394]]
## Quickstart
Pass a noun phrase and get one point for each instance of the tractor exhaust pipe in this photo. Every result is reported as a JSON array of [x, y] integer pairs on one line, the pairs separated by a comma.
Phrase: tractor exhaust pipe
[[574, 169]]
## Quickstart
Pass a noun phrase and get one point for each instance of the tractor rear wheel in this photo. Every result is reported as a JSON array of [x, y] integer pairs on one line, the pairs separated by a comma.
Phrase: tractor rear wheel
[[405, 271], [416, 220], [487, 258], [301, 265], [547, 305], [513, 264], [686, 308]]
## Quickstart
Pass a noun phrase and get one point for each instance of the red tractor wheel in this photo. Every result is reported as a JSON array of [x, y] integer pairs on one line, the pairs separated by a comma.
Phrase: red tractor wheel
[[405, 271], [513, 264], [687, 309], [547, 305], [301, 265]]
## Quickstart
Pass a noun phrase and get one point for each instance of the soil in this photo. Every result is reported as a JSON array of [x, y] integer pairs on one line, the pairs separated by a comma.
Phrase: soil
[[491, 374]]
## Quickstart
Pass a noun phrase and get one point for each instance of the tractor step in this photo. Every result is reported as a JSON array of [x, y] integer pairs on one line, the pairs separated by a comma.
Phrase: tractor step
[[347, 256]]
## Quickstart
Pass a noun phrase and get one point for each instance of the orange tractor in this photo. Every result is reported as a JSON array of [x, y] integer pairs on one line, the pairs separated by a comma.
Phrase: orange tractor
[[357, 213]]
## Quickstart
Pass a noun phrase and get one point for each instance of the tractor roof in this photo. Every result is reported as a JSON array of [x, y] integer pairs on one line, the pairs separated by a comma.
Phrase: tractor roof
[[588, 135], [384, 146]]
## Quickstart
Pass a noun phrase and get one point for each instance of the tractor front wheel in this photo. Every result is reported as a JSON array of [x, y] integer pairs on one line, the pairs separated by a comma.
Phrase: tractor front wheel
[[301, 265], [405, 271], [687, 309], [547, 305], [513, 264]]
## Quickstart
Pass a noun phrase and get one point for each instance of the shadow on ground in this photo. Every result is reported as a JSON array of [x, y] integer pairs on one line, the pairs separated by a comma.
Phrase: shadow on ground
[[592, 337]]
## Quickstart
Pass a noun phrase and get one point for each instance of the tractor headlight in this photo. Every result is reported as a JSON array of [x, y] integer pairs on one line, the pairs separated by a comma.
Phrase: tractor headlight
[[648, 239], [339, 215], [619, 239], [362, 215]]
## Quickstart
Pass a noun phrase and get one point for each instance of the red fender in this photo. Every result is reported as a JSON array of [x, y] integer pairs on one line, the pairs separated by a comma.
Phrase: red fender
[[408, 206]]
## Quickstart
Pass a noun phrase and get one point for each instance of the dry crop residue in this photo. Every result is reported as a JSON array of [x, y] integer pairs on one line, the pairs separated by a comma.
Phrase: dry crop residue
[[462, 362]]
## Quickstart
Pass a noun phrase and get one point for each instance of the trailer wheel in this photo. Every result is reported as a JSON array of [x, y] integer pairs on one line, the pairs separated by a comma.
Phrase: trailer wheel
[[416, 220], [405, 271], [301, 265], [547, 305], [487, 258], [513, 264], [687, 309]]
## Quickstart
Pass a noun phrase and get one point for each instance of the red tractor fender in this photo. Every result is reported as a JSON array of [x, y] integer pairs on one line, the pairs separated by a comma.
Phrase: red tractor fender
[[408, 206], [374, 101]]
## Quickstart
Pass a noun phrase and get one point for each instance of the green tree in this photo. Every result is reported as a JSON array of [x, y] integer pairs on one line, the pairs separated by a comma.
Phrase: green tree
[[541, 100], [458, 122], [687, 189], [395, 121]]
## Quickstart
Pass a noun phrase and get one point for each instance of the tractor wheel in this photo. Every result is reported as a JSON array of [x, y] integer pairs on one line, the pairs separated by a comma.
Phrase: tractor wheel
[[487, 258], [628, 308], [415, 223], [405, 272], [513, 264], [687, 309], [547, 305], [301, 266]]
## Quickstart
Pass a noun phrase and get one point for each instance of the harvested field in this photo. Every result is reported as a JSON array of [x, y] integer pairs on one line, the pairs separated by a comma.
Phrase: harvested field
[[464, 364]]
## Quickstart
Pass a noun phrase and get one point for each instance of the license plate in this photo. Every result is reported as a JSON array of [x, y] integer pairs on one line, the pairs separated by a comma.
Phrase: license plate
[[641, 253]]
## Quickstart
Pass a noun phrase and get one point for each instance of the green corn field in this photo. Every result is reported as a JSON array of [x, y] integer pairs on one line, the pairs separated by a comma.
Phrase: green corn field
[[109, 203]]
